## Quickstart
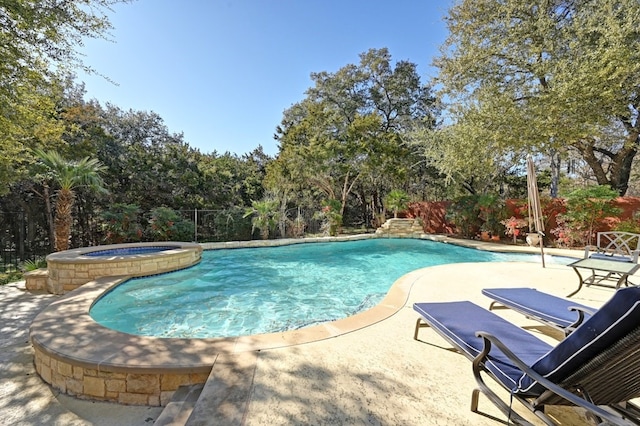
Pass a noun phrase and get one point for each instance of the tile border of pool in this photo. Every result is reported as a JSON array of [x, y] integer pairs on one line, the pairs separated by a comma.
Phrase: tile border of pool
[[80, 357]]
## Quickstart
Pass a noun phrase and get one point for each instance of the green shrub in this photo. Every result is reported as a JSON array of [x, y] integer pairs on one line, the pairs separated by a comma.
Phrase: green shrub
[[586, 210], [9, 277], [492, 211], [471, 213], [629, 225], [464, 213], [33, 264], [121, 224], [330, 217], [165, 224]]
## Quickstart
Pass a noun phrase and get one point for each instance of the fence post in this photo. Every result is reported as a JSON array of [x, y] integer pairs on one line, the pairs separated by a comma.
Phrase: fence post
[[21, 236], [195, 225]]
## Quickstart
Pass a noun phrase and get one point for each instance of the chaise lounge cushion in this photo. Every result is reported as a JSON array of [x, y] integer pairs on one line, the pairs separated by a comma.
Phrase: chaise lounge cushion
[[459, 322], [616, 257], [538, 305], [613, 320]]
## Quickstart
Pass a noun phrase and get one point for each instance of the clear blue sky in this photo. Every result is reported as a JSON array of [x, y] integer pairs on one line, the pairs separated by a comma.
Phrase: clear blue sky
[[223, 72]]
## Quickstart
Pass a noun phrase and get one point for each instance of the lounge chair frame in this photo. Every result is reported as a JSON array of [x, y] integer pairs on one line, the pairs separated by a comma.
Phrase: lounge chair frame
[[598, 385], [602, 389]]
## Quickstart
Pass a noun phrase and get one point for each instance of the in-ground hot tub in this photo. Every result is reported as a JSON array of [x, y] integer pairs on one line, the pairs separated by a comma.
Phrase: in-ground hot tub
[[129, 251], [70, 269]]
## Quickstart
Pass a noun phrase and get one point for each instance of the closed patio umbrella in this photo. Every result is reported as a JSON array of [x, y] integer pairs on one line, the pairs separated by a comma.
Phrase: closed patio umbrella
[[536, 221]]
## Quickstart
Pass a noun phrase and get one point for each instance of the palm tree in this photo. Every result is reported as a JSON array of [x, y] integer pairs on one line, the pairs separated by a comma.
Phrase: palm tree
[[397, 200], [264, 216], [69, 175]]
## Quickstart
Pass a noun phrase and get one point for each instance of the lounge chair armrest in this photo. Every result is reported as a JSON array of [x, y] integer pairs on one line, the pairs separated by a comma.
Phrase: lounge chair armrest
[[582, 310], [489, 339], [581, 313], [634, 256]]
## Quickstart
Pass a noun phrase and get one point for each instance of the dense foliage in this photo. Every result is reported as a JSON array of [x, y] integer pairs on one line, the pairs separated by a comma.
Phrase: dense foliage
[[586, 210], [141, 167], [347, 140], [38, 48], [556, 79]]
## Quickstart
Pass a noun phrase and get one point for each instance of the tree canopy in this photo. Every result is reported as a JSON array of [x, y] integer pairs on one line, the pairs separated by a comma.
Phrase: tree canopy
[[558, 79], [348, 135], [541, 76], [38, 50]]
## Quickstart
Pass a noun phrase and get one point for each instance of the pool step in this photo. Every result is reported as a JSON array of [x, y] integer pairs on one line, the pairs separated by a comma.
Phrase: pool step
[[222, 400], [178, 410], [225, 397]]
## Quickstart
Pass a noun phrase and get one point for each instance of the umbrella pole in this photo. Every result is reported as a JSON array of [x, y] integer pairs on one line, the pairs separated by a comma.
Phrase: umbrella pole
[[540, 237], [533, 200]]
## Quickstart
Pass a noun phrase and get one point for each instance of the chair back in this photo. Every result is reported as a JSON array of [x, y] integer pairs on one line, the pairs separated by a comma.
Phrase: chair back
[[609, 378], [609, 339], [618, 244]]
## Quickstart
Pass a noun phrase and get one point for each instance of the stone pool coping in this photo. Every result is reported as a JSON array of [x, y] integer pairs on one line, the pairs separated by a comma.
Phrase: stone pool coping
[[80, 357]]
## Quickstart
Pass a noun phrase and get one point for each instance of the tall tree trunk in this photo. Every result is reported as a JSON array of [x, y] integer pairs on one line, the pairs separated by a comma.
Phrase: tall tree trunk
[[346, 190], [620, 181], [64, 218], [618, 165]]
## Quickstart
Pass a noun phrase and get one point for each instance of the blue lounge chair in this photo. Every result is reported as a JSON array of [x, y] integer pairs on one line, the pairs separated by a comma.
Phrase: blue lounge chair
[[596, 367], [551, 310]]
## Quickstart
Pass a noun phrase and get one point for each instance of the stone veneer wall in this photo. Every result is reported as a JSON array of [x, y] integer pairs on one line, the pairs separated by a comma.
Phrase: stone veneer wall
[[70, 269], [153, 389], [36, 280], [400, 228]]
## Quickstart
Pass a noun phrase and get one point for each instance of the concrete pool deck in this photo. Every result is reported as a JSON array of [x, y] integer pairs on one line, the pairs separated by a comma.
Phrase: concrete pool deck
[[375, 374]]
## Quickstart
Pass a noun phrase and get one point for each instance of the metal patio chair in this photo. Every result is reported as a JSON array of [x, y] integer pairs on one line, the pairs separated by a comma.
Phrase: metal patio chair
[[620, 246]]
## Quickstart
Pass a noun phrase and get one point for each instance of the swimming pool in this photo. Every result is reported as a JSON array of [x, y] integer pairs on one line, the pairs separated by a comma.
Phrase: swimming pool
[[263, 290]]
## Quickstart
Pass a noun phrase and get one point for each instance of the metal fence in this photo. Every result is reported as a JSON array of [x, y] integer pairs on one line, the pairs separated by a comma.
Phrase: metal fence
[[25, 236], [21, 239], [232, 225]]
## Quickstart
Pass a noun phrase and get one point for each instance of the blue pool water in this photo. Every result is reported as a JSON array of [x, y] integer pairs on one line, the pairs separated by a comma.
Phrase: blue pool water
[[128, 251], [237, 292]]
